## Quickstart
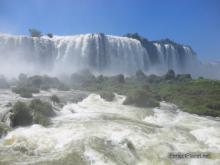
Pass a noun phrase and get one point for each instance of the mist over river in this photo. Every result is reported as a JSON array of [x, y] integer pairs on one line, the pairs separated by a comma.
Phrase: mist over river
[[97, 132]]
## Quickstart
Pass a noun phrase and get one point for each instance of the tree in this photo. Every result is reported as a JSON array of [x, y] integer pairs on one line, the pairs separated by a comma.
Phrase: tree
[[22, 77], [140, 76], [50, 35], [55, 99], [120, 78], [183, 77], [170, 75], [35, 33]]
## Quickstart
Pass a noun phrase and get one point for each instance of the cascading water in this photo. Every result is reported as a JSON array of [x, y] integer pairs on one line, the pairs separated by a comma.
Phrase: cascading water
[[97, 132], [99, 52]]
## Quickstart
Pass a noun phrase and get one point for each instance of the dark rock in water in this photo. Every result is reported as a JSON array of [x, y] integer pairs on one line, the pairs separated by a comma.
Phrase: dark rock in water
[[141, 98], [21, 115], [108, 96], [3, 129]]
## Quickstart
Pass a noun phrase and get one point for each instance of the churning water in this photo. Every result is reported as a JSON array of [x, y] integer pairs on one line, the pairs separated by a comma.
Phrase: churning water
[[96, 132]]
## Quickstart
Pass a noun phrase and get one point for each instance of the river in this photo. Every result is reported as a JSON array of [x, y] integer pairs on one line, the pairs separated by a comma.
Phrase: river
[[97, 132]]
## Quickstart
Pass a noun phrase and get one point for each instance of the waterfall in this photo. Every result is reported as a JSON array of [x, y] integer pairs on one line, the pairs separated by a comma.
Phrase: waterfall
[[100, 53]]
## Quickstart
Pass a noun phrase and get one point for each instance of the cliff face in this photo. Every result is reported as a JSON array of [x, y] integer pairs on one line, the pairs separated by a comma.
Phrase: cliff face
[[98, 52], [166, 54]]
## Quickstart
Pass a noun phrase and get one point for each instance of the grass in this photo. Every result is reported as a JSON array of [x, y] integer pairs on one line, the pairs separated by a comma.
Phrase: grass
[[201, 97]]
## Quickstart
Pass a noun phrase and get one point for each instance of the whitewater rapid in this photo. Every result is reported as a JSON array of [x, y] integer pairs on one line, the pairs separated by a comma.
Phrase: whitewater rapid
[[97, 132]]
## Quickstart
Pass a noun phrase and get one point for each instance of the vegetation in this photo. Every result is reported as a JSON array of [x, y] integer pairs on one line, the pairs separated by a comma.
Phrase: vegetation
[[200, 96], [108, 96], [55, 99], [3, 129], [83, 78], [142, 98], [26, 86], [35, 33], [50, 35], [21, 115], [35, 112], [170, 75], [44, 108]]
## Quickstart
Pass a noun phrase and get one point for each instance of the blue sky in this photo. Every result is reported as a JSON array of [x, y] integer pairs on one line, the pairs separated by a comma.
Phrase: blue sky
[[192, 22]]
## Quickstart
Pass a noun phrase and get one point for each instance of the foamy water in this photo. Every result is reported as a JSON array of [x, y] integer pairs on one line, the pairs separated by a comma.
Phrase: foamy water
[[97, 132]]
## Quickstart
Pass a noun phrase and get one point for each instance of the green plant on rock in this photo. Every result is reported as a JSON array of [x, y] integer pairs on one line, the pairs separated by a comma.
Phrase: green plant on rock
[[21, 115], [42, 107], [39, 118], [108, 96], [55, 99]]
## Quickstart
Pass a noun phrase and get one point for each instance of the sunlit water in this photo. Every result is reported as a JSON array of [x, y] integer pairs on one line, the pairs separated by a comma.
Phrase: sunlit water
[[96, 132]]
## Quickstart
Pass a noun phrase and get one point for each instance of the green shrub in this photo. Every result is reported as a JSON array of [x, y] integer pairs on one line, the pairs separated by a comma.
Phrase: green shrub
[[170, 75], [50, 35], [83, 78], [25, 91], [100, 79], [26, 94], [120, 78], [183, 77], [3, 129], [37, 112], [42, 107], [140, 76], [41, 119], [35, 33], [21, 115], [55, 99], [141, 98]]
